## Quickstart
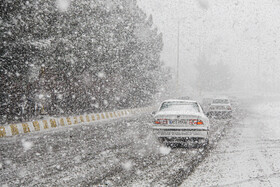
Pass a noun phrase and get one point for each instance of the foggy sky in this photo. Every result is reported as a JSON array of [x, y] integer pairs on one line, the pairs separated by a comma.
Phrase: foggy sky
[[242, 33]]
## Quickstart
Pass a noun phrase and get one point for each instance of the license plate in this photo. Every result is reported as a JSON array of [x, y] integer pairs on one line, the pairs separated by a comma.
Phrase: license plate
[[185, 133], [179, 121], [168, 133], [181, 133]]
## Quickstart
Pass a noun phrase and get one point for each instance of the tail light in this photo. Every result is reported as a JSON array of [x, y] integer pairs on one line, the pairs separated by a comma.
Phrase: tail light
[[160, 121], [196, 122], [156, 122]]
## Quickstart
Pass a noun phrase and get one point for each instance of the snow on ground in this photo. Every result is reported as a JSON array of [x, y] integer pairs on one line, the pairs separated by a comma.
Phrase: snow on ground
[[248, 156], [269, 112], [115, 153]]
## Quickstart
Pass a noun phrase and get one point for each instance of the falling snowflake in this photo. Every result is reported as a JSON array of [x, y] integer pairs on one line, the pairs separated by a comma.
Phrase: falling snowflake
[[22, 173], [60, 96], [26, 145], [58, 167], [63, 5], [164, 150], [127, 165], [8, 162], [41, 96], [105, 102], [77, 159], [101, 74]]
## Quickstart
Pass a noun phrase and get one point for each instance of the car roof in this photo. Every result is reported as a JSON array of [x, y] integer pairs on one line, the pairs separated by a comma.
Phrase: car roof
[[216, 104], [222, 97], [181, 100]]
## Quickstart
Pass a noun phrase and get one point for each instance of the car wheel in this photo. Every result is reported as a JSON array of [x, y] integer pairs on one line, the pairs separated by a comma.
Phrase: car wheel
[[161, 140], [205, 143]]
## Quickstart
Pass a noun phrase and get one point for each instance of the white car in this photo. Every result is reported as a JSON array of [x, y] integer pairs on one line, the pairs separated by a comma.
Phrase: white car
[[220, 108], [181, 120]]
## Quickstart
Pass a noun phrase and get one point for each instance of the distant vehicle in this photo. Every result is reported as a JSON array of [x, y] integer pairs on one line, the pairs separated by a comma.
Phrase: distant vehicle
[[220, 108], [206, 102], [184, 98], [179, 121]]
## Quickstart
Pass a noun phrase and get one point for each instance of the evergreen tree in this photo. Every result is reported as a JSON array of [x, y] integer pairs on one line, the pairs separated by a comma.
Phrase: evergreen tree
[[94, 56]]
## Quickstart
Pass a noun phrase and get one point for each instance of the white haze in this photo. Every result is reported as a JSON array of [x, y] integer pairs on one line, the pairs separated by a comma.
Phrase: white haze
[[241, 33]]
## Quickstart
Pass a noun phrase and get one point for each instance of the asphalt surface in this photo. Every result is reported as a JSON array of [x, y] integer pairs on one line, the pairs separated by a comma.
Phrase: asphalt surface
[[122, 152]]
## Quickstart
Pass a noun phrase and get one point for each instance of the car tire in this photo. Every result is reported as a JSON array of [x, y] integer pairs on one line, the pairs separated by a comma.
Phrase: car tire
[[161, 140], [206, 143]]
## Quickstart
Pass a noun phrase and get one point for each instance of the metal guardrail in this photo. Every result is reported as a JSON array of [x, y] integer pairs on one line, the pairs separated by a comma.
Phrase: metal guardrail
[[51, 123]]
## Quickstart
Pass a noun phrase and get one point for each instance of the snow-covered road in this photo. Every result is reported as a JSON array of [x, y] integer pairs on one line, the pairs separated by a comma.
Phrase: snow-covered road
[[249, 155], [116, 153]]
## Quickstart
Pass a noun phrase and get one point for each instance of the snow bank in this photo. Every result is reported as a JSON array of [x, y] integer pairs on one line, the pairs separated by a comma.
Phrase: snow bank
[[267, 114]]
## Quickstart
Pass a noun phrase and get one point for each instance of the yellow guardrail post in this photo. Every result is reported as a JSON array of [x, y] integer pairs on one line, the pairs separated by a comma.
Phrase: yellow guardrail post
[[15, 129], [2, 131], [36, 125]]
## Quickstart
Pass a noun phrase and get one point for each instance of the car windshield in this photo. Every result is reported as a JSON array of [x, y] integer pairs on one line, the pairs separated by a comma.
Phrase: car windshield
[[221, 101], [179, 106]]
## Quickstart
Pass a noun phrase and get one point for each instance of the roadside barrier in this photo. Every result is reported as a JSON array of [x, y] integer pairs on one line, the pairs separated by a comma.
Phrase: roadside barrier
[[51, 123]]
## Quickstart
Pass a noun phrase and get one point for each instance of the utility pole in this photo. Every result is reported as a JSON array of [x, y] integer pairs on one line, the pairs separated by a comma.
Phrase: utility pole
[[178, 56]]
